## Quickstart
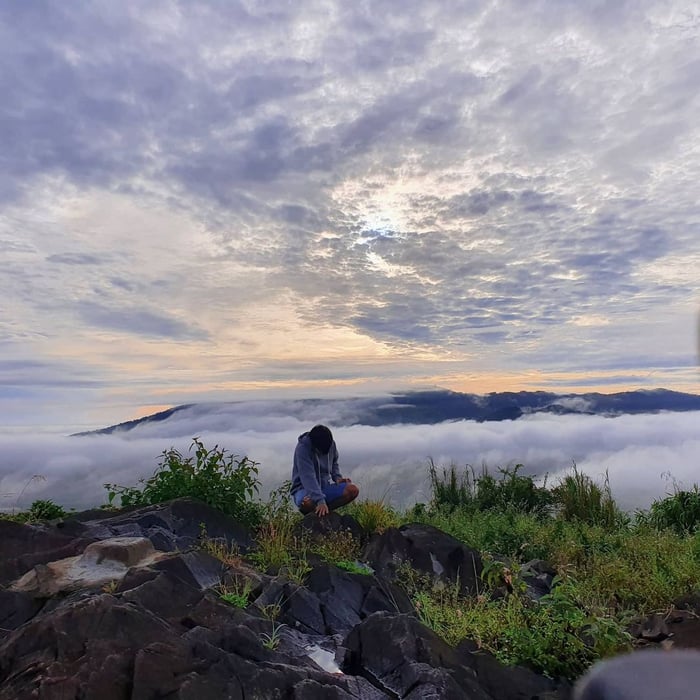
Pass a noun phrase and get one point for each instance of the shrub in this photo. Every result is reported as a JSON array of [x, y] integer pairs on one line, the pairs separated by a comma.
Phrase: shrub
[[215, 477], [679, 511], [578, 497], [510, 492], [40, 510]]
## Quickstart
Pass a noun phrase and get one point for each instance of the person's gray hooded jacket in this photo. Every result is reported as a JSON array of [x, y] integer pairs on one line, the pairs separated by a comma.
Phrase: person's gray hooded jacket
[[312, 469]]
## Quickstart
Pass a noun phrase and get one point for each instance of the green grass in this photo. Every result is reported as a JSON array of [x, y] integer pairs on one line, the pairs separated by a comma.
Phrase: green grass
[[611, 567], [679, 511]]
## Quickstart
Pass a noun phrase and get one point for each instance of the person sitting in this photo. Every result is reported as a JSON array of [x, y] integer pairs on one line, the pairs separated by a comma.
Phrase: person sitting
[[317, 485]]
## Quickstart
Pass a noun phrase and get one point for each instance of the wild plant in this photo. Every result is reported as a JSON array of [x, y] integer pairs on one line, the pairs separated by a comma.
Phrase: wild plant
[[373, 516], [277, 543], [219, 479], [679, 511], [40, 510], [272, 639], [578, 497], [336, 546], [228, 554], [238, 595]]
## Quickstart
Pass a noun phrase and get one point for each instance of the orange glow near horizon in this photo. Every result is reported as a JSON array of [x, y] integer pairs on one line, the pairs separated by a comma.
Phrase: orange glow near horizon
[[555, 382]]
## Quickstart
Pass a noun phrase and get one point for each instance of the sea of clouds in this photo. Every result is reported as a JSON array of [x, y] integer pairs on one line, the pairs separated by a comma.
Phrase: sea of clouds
[[642, 454]]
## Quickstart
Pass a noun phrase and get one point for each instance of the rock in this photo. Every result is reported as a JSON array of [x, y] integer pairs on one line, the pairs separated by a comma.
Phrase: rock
[[171, 526], [428, 550], [101, 563], [106, 648], [333, 522], [643, 675], [164, 631], [15, 609], [332, 600], [538, 575], [405, 659], [652, 629], [509, 682], [22, 547]]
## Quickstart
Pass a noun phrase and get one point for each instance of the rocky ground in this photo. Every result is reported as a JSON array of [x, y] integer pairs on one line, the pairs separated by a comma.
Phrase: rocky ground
[[125, 606]]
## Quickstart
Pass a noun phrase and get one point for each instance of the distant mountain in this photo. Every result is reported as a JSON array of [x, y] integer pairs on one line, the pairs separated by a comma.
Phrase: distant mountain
[[429, 407]]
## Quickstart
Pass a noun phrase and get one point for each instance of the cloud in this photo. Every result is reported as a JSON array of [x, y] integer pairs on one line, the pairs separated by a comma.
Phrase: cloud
[[461, 180], [635, 451], [138, 321]]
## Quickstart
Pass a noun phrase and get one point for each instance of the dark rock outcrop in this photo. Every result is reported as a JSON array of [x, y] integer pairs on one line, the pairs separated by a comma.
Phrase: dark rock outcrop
[[428, 550], [160, 629]]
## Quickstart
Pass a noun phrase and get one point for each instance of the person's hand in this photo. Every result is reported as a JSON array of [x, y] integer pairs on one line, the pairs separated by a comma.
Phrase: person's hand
[[321, 510], [345, 480]]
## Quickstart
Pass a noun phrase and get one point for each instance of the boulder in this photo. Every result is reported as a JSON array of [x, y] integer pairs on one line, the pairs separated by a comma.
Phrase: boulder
[[171, 526], [509, 682], [538, 576], [428, 550], [15, 609], [22, 547], [407, 660], [101, 563], [333, 522], [107, 648]]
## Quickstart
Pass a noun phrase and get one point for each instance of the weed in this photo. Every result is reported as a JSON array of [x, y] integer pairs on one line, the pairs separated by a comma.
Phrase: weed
[[373, 516], [297, 570], [355, 567], [272, 640], [275, 540], [510, 492], [336, 546], [228, 554], [239, 595], [272, 611], [38, 511], [110, 587]]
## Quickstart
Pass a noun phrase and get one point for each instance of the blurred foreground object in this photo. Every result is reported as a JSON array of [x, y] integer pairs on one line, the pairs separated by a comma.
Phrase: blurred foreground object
[[643, 675]]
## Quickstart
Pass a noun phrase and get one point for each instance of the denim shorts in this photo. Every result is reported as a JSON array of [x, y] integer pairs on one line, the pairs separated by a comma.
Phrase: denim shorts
[[330, 491]]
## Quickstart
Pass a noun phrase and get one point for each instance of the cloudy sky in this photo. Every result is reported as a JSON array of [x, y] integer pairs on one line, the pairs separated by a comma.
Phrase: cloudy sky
[[215, 200]]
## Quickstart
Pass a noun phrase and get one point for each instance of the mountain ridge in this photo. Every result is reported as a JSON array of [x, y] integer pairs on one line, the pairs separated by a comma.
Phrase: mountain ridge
[[437, 406]]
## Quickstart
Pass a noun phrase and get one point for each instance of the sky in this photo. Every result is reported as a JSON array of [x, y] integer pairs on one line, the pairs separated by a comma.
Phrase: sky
[[220, 200]]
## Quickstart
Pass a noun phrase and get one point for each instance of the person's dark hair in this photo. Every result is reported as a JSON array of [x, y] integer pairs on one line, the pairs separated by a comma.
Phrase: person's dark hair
[[321, 438]]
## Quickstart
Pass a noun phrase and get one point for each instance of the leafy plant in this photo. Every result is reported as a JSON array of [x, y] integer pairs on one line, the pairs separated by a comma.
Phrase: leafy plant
[[272, 640], [40, 510], [238, 596], [217, 478]]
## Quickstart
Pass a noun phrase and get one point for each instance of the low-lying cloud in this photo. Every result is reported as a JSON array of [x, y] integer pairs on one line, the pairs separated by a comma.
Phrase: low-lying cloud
[[637, 452]]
